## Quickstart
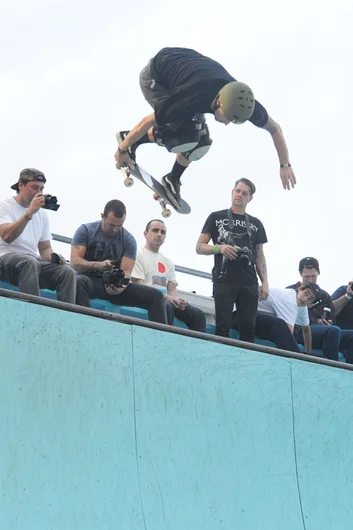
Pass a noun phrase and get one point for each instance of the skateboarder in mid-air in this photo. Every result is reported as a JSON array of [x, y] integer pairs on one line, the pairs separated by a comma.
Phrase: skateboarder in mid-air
[[182, 86]]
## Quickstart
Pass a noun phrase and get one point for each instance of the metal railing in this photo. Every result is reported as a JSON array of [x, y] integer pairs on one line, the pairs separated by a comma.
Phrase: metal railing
[[178, 268]]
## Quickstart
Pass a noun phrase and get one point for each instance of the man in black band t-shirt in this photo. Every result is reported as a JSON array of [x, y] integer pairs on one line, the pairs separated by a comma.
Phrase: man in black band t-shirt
[[238, 258], [182, 86]]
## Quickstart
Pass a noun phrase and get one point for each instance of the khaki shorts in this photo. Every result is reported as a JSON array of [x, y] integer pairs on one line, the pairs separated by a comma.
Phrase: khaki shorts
[[153, 92]]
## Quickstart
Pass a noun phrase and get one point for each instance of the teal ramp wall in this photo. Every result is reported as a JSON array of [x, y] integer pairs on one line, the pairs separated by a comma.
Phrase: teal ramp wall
[[106, 426]]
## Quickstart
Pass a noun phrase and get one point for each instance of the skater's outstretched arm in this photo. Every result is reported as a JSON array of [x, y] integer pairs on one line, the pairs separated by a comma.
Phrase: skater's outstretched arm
[[134, 135], [286, 172]]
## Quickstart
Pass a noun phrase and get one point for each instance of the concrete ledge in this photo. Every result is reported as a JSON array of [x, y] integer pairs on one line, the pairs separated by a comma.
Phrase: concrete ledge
[[171, 329], [139, 313]]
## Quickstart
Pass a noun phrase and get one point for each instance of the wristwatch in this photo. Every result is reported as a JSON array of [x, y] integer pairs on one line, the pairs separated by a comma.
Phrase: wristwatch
[[122, 151], [285, 165]]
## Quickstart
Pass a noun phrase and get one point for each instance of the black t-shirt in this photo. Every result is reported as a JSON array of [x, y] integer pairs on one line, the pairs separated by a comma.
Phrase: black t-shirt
[[217, 226], [193, 81], [316, 312]]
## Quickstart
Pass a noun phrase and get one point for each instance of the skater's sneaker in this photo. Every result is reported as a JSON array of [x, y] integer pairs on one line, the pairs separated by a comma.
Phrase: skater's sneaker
[[120, 136], [172, 189]]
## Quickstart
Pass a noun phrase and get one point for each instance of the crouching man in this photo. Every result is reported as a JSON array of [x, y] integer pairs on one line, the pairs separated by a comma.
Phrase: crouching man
[[284, 309]]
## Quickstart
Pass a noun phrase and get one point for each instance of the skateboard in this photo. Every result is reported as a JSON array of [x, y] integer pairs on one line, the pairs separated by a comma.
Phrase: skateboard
[[159, 194]]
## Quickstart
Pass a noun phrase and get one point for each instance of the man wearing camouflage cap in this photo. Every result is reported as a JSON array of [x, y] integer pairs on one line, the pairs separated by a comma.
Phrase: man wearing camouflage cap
[[24, 231], [181, 85]]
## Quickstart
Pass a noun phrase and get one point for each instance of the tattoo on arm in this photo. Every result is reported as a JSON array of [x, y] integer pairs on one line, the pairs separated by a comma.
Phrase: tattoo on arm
[[203, 240], [261, 266], [198, 246]]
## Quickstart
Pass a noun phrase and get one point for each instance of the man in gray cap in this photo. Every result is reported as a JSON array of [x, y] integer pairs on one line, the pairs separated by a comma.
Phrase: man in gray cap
[[26, 256]]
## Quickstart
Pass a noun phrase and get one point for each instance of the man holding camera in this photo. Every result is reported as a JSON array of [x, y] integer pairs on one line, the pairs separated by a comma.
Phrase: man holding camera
[[326, 335], [103, 253], [342, 300], [24, 231], [238, 240]]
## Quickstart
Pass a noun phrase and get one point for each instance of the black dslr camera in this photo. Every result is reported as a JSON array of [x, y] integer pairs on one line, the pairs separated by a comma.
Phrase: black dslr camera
[[115, 276], [244, 255], [51, 203]]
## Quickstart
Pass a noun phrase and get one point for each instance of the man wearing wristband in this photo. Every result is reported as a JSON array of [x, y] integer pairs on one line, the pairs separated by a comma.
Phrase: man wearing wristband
[[237, 247], [181, 85], [343, 303], [24, 231], [104, 246]]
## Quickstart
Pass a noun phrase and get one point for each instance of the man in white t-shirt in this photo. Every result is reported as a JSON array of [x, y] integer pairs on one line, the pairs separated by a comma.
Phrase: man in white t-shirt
[[284, 308], [154, 269], [292, 306], [26, 256]]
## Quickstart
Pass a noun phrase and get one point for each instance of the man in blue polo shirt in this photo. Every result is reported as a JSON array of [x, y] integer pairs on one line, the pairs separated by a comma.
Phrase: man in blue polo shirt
[[343, 303], [105, 246]]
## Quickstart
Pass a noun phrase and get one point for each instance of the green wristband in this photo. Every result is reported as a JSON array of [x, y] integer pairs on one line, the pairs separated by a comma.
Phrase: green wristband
[[215, 251]]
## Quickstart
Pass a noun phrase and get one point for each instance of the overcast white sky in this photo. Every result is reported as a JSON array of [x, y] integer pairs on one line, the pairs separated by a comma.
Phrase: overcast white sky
[[69, 81]]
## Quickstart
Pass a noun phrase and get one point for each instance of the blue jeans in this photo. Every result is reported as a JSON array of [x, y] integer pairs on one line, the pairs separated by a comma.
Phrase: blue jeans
[[325, 338], [346, 344], [275, 329]]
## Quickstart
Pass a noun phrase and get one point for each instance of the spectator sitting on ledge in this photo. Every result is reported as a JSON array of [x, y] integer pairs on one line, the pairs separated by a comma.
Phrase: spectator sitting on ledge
[[104, 247], [153, 268], [24, 230]]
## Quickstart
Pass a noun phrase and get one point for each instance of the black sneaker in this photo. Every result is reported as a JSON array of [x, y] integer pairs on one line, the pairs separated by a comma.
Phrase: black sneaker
[[120, 136], [172, 189]]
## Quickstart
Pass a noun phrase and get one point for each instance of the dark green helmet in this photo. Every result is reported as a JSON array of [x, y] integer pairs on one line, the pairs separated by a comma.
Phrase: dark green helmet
[[237, 101]]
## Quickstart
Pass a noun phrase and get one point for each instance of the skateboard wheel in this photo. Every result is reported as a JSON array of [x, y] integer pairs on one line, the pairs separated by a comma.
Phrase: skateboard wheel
[[128, 182], [155, 196], [166, 213]]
